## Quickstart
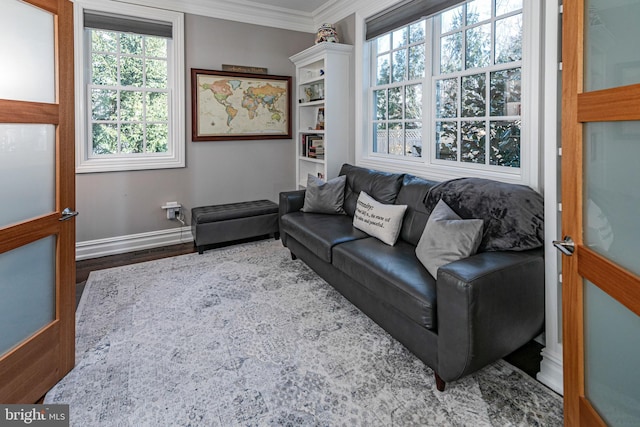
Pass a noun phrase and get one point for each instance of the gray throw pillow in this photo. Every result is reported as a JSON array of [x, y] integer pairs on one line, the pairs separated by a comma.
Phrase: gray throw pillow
[[447, 238], [324, 197]]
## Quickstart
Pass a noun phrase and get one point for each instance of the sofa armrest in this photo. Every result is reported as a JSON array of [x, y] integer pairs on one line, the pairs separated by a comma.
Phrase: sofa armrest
[[290, 201], [489, 305]]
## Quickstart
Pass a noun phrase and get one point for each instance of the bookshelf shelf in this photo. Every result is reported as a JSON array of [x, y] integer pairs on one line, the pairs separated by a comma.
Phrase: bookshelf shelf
[[323, 110], [311, 81], [311, 103], [311, 160]]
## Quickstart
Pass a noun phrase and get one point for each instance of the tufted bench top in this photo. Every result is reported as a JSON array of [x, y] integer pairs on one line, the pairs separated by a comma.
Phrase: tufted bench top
[[215, 213]]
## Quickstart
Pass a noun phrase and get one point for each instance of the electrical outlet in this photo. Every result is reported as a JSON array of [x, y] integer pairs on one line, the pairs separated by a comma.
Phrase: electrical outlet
[[173, 209]]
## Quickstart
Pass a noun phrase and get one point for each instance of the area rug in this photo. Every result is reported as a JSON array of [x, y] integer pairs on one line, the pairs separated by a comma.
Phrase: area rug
[[245, 336]]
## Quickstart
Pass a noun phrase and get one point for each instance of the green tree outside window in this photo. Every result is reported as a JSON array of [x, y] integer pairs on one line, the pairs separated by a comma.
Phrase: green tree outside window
[[128, 94]]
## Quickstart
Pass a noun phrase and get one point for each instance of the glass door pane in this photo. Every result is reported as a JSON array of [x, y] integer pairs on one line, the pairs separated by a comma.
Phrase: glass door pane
[[612, 352], [612, 52], [612, 191], [27, 56], [28, 300], [27, 171]]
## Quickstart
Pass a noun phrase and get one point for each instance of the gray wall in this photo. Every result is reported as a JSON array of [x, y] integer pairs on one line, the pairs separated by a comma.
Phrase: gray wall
[[115, 204], [346, 29]]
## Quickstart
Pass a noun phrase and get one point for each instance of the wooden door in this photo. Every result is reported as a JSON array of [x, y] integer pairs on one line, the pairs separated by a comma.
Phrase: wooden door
[[601, 211], [37, 175]]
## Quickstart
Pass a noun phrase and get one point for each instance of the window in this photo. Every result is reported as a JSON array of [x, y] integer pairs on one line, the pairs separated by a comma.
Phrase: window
[[467, 62], [131, 91], [477, 83], [397, 95]]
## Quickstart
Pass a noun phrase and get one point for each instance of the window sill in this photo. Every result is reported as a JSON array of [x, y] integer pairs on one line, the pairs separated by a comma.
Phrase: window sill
[[121, 165], [438, 172]]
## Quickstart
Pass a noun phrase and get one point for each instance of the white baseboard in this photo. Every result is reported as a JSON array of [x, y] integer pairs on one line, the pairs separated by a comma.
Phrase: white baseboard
[[551, 373], [132, 242]]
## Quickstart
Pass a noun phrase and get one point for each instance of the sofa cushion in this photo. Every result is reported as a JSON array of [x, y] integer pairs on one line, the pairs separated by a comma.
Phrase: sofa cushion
[[324, 197], [320, 232], [447, 238], [382, 186], [412, 194], [393, 274], [513, 214], [378, 219]]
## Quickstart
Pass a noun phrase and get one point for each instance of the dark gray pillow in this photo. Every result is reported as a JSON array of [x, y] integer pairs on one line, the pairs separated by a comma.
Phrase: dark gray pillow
[[382, 186], [513, 214], [412, 194], [324, 197], [447, 238]]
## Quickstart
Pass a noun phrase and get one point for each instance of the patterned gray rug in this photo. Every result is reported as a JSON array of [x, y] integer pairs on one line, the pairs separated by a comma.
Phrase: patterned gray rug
[[245, 336]]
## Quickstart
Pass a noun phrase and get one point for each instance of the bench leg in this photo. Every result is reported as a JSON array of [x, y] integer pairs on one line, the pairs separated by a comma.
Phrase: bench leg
[[293, 256], [276, 235]]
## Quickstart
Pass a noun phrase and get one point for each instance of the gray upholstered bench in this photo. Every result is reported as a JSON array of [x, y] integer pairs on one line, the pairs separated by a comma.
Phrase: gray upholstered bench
[[233, 221]]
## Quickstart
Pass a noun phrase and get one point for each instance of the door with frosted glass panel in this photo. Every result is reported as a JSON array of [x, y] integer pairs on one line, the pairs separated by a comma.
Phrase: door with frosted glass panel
[[601, 212], [37, 197]]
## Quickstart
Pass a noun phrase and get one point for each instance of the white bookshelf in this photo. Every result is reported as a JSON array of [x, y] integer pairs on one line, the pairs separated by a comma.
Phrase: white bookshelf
[[323, 76]]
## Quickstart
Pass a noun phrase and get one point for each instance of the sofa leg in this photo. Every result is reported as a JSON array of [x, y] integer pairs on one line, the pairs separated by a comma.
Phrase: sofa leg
[[440, 384], [276, 235], [293, 256]]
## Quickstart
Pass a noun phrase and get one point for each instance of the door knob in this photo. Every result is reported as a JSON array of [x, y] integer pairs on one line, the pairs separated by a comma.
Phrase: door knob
[[67, 214], [566, 246]]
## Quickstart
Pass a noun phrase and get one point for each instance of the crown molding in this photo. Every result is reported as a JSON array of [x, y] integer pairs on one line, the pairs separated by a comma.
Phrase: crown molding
[[271, 16], [340, 9], [239, 11]]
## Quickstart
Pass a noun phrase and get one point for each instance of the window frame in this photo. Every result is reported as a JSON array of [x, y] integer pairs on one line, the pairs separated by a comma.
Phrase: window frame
[[86, 161], [527, 174]]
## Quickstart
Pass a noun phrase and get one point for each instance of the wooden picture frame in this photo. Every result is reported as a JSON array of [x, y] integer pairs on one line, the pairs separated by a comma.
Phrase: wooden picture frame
[[228, 105]]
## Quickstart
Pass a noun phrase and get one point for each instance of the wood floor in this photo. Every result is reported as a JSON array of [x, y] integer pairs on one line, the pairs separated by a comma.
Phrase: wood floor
[[83, 268], [527, 358]]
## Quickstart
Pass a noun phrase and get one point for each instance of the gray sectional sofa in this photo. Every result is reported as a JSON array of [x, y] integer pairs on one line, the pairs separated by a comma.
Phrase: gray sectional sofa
[[477, 310]]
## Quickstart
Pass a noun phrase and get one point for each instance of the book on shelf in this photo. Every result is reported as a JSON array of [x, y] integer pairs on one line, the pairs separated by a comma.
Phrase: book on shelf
[[312, 146], [316, 149]]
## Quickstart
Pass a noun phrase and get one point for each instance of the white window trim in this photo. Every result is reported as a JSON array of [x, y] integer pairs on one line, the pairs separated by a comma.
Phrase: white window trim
[[527, 174], [85, 163]]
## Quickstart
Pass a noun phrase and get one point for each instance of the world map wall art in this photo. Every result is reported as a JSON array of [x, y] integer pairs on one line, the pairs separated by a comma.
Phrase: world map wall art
[[230, 106]]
